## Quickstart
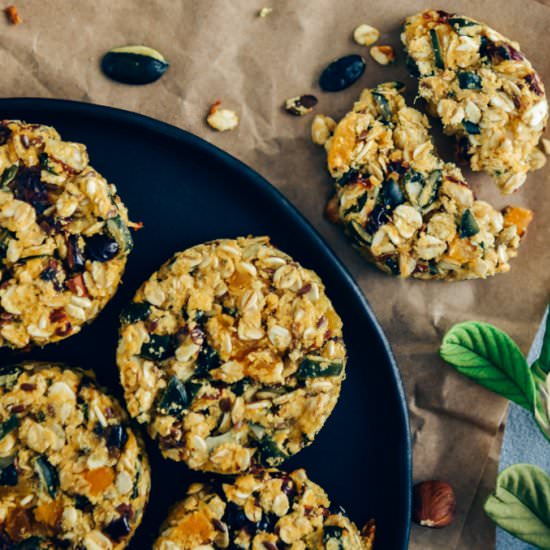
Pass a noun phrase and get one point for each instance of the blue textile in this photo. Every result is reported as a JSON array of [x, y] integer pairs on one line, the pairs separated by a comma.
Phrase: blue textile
[[523, 442]]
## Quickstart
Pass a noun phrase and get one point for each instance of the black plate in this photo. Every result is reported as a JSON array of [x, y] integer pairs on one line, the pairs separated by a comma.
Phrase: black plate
[[187, 191]]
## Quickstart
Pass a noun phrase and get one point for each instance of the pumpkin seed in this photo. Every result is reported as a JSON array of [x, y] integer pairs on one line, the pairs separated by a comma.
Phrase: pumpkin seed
[[8, 426], [430, 189], [120, 232], [8, 174], [470, 127], [174, 399], [469, 81], [468, 225], [159, 347], [48, 475], [135, 311], [439, 63], [316, 367], [342, 73], [134, 64]]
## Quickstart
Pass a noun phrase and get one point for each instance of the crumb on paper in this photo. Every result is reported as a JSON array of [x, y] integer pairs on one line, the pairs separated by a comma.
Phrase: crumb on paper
[[222, 119], [264, 12], [366, 35], [546, 145], [13, 15], [383, 55], [300, 105], [322, 128]]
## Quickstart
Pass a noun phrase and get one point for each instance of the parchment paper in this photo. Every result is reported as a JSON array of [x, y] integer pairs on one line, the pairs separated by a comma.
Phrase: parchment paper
[[222, 50]]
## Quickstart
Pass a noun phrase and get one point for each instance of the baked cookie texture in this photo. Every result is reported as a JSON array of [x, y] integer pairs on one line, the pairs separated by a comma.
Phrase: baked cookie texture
[[484, 90], [405, 209], [263, 509], [64, 236], [73, 473], [232, 354]]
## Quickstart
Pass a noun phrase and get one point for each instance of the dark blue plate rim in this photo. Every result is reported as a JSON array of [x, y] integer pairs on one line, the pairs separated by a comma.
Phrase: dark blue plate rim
[[173, 132]]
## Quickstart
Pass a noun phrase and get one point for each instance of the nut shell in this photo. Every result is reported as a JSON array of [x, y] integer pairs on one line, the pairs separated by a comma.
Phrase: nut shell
[[434, 503]]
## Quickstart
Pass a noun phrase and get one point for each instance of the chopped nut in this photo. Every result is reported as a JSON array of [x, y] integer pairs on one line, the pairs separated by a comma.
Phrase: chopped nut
[[546, 145], [300, 105], [365, 35], [13, 15], [321, 129], [222, 119], [264, 12], [383, 55]]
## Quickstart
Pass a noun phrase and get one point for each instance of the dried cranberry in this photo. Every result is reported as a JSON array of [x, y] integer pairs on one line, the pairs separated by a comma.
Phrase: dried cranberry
[[225, 404], [534, 83], [118, 529], [75, 256], [462, 150], [27, 187], [101, 248], [377, 217], [117, 436]]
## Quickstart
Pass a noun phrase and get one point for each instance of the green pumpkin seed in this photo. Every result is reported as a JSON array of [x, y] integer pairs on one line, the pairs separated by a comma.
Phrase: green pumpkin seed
[[469, 81], [468, 225], [134, 64], [120, 233], [8, 174], [316, 367], [48, 475], [438, 56]]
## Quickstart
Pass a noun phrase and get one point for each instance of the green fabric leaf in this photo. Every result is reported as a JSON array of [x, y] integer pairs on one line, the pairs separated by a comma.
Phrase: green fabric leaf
[[489, 356], [521, 504]]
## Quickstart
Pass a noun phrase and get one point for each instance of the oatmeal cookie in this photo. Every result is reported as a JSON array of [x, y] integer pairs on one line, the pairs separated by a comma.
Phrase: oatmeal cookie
[[264, 509], [73, 474], [487, 94], [231, 353], [64, 236], [405, 209]]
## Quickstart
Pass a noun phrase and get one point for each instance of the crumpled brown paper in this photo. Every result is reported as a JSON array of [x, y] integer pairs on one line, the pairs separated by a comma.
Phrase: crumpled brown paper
[[223, 50]]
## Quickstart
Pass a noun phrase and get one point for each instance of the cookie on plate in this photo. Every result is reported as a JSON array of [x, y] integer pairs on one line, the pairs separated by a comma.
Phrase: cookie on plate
[[264, 509], [73, 474], [485, 91], [405, 209], [64, 236], [231, 353]]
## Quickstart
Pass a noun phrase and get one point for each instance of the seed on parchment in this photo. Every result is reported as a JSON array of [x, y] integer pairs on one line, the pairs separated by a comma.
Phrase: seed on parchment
[[321, 129], [365, 35], [134, 64], [222, 119], [342, 73], [300, 105], [383, 55], [265, 12]]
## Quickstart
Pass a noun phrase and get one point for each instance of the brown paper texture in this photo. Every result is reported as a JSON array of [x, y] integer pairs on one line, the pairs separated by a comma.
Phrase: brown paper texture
[[223, 50]]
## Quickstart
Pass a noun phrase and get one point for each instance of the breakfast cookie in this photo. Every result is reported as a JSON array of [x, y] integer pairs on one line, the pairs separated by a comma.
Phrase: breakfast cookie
[[64, 236], [405, 209], [485, 91], [72, 472], [231, 353], [264, 509]]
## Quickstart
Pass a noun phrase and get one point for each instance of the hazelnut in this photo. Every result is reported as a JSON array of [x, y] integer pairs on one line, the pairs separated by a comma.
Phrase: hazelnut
[[433, 503]]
